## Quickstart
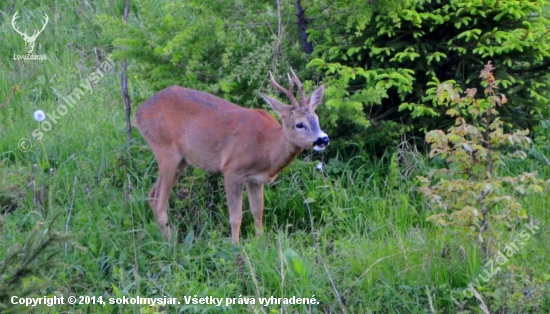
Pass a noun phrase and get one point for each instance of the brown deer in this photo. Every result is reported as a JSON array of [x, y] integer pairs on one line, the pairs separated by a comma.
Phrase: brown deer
[[188, 127]]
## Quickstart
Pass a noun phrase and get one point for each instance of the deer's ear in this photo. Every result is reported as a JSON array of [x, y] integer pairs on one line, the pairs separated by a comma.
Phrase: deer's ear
[[281, 109], [316, 97]]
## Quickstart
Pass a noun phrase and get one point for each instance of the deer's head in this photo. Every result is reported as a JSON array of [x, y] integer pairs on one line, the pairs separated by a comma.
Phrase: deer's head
[[300, 123]]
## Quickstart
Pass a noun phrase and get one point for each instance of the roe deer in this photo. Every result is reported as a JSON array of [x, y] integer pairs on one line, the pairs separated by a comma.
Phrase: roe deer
[[188, 127]]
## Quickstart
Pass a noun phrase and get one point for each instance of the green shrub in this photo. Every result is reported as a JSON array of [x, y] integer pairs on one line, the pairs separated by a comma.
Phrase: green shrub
[[470, 192]]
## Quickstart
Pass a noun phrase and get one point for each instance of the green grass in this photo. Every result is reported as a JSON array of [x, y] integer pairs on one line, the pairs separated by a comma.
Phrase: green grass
[[358, 230]]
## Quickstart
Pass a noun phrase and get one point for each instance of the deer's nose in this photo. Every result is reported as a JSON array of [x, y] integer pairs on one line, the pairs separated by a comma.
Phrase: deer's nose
[[321, 141]]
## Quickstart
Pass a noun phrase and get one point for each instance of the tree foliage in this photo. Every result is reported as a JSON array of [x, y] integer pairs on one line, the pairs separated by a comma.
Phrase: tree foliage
[[390, 59], [225, 48]]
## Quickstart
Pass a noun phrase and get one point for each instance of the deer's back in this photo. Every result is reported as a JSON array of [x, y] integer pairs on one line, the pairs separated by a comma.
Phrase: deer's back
[[205, 129]]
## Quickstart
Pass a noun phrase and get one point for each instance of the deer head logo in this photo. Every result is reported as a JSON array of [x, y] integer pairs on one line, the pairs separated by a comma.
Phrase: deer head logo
[[29, 40]]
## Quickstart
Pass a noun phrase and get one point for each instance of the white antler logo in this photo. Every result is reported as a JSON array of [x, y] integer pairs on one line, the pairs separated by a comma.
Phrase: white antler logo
[[29, 40]]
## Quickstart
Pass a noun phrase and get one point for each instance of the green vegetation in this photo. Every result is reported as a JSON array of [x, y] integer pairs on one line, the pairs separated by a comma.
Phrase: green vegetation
[[377, 71], [470, 187], [355, 236]]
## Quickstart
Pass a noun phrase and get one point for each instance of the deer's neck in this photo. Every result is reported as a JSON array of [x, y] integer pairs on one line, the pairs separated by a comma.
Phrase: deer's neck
[[285, 153]]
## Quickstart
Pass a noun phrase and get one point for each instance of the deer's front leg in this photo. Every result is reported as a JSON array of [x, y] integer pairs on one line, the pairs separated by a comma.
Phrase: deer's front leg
[[234, 194], [256, 200]]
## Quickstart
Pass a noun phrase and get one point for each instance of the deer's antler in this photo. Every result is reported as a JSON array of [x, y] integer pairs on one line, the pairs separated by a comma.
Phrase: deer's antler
[[288, 92], [296, 81]]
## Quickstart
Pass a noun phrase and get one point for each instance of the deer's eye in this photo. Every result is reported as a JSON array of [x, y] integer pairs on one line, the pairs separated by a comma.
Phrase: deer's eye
[[299, 126]]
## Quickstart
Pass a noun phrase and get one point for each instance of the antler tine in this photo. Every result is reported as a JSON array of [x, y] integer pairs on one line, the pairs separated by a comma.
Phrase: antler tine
[[290, 85], [296, 80], [288, 93]]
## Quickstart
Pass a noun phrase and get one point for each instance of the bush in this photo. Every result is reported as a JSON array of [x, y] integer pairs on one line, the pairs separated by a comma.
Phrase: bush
[[469, 192]]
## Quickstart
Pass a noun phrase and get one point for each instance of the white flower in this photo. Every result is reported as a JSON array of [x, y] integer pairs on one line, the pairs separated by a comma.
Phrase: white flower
[[319, 166], [39, 115]]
